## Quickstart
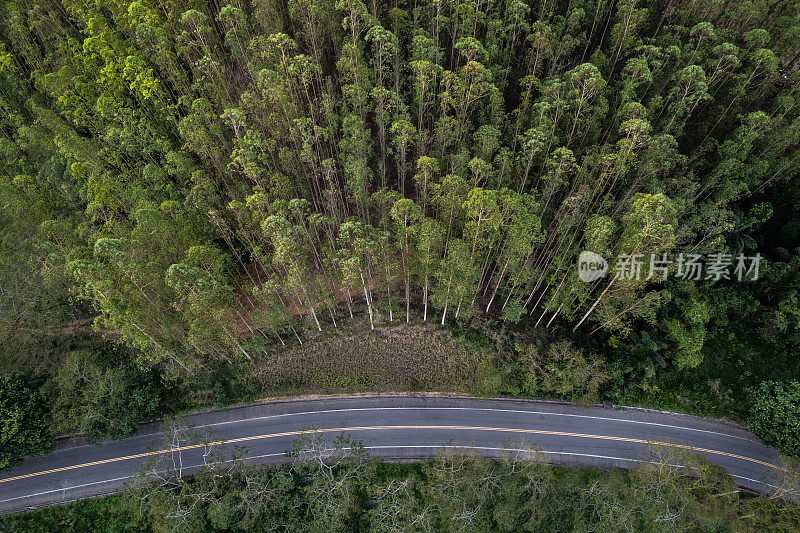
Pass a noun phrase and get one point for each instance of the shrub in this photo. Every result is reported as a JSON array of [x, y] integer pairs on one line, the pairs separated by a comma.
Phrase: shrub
[[23, 420], [775, 415], [563, 370], [221, 396], [101, 401]]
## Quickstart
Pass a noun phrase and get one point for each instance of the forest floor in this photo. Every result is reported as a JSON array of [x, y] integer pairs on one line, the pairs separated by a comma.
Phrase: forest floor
[[421, 356], [411, 358]]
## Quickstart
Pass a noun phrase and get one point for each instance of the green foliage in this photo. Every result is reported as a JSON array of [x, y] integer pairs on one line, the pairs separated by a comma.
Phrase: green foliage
[[204, 181], [25, 420], [689, 343], [101, 399], [563, 370], [111, 513], [775, 415], [221, 395]]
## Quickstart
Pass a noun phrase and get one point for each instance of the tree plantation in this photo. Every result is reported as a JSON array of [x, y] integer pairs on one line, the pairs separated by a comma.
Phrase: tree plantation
[[190, 187]]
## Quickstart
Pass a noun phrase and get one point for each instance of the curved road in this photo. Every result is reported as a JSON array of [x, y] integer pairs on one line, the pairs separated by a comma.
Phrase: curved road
[[400, 427]]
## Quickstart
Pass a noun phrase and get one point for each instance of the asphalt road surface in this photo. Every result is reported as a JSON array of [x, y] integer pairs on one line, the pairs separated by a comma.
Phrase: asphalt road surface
[[400, 427]]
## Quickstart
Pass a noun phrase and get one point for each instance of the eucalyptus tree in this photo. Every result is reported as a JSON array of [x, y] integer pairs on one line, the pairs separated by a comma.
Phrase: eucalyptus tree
[[468, 150], [429, 242], [291, 258], [406, 215]]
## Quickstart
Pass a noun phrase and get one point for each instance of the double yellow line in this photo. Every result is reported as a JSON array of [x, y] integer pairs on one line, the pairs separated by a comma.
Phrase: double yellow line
[[390, 428]]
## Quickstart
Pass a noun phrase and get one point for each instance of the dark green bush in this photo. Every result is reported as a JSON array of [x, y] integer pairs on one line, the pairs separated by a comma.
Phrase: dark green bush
[[24, 428], [775, 415]]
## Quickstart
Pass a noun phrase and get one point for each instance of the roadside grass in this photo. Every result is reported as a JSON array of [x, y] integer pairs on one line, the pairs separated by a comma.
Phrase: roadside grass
[[402, 357], [351, 358]]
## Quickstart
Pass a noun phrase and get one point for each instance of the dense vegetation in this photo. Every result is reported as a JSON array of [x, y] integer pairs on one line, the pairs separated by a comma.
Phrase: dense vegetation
[[23, 413], [207, 183], [776, 415], [331, 490]]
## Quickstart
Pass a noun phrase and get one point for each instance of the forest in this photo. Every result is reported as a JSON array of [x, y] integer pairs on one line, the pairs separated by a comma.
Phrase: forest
[[192, 192]]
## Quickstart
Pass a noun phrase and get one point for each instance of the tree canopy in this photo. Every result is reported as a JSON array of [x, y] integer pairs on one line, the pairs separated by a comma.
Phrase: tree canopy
[[203, 180]]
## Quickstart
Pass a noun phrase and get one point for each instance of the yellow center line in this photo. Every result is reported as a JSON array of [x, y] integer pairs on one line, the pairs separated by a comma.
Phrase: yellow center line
[[380, 428]]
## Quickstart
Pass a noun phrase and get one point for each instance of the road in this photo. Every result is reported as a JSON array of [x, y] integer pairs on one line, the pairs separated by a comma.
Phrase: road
[[400, 427]]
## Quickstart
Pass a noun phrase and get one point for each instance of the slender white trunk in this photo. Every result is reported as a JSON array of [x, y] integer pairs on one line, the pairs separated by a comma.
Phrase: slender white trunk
[[408, 302], [554, 316], [589, 312], [447, 298], [507, 299], [499, 280], [233, 338], [314, 314], [540, 319], [245, 322], [349, 302], [537, 302], [425, 298], [369, 303]]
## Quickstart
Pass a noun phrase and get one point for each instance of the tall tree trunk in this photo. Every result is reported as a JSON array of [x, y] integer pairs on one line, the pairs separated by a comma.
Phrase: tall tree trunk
[[554, 316], [369, 302], [425, 300], [349, 302], [314, 314], [296, 335], [447, 297], [499, 280], [589, 312], [408, 300]]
